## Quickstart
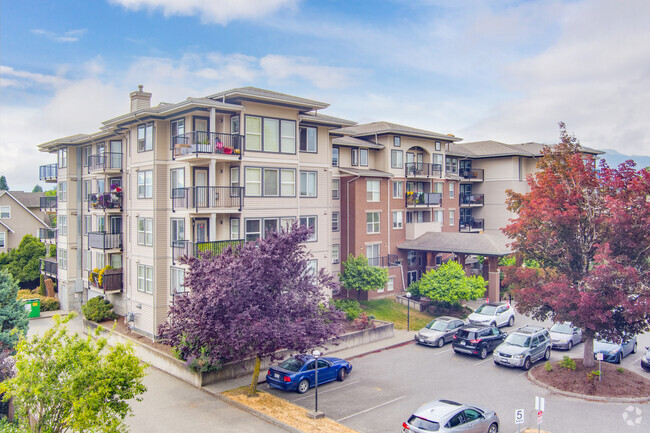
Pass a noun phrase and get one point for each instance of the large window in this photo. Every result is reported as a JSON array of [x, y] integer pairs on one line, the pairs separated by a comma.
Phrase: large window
[[177, 130], [363, 157], [372, 222], [336, 221], [253, 229], [145, 231], [63, 191], [5, 212], [177, 176], [310, 221], [270, 182], [145, 279], [398, 189], [308, 181], [177, 280], [270, 135], [438, 216], [63, 158], [287, 136], [145, 184], [234, 228], [452, 165], [372, 254], [372, 190], [145, 137], [253, 133], [336, 253], [336, 183], [271, 178], [398, 222], [62, 261], [438, 187], [308, 139], [177, 230], [396, 159], [288, 183], [253, 182], [62, 222], [335, 156]]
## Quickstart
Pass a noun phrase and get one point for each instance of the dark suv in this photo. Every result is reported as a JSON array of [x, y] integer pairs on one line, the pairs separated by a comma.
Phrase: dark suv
[[477, 340]]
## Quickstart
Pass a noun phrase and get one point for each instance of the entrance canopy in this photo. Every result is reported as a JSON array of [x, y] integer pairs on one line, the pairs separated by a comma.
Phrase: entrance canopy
[[460, 243]]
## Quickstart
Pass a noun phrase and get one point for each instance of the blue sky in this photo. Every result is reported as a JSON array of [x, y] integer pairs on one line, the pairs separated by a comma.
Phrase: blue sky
[[504, 70]]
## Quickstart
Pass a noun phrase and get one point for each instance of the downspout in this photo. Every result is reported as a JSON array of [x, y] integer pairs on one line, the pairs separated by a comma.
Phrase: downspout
[[79, 279]]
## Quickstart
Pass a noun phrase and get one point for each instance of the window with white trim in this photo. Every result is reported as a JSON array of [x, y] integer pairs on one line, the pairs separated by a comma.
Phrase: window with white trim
[[396, 159], [372, 190], [372, 222], [63, 158], [63, 191], [87, 258], [145, 137], [234, 228], [177, 176], [335, 156], [145, 231], [308, 139], [253, 182], [5, 212], [86, 151], [438, 216], [451, 189], [452, 217], [87, 189], [87, 224], [177, 280], [62, 222], [336, 253], [62, 259], [390, 284], [398, 222], [287, 183], [177, 234], [363, 157], [267, 134], [335, 222], [397, 141], [310, 221], [335, 188], [308, 180], [253, 229], [438, 187], [145, 184], [253, 133], [372, 254], [354, 156], [287, 223], [145, 278], [398, 189]]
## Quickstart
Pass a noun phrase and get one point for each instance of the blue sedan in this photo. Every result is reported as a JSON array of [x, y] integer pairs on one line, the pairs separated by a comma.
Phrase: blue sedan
[[615, 352], [297, 373]]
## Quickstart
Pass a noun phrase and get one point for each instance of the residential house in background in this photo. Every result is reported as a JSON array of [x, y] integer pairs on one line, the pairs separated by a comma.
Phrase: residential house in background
[[20, 215]]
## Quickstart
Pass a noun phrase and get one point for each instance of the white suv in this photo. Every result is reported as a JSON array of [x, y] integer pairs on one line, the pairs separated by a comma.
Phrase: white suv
[[493, 314]]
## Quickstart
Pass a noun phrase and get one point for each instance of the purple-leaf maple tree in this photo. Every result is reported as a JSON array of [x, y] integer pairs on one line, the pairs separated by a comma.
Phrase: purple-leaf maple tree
[[250, 302], [589, 229]]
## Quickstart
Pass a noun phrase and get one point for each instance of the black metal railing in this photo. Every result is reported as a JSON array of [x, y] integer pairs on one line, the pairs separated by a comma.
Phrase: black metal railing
[[105, 161], [203, 142], [470, 224], [471, 174], [46, 235], [422, 169], [471, 199], [112, 280], [48, 203], [207, 197], [49, 266], [197, 249], [105, 200], [105, 241], [384, 261], [47, 172], [414, 198]]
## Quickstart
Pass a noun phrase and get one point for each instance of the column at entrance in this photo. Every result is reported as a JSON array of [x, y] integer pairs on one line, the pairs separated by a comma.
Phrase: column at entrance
[[494, 279]]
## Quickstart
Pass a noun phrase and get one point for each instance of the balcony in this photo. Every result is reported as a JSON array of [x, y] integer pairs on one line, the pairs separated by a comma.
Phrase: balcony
[[111, 281], [472, 200], [384, 261], [47, 235], [47, 173], [423, 199], [208, 198], [48, 204], [470, 225], [107, 162], [105, 201], [105, 241], [195, 249], [471, 175], [201, 143], [49, 266], [421, 169]]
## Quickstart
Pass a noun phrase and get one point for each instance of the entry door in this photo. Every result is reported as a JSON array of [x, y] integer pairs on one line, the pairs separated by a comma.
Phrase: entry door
[[201, 187], [202, 134], [201, 230], [116, 154]]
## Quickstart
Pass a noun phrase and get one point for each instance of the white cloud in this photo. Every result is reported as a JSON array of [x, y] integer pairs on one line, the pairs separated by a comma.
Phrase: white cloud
[[211, 11], [69, 36], [10, 77]]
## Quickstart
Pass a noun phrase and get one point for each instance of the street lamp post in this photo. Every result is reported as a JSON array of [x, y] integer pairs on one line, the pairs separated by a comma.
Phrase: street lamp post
[[316, 355], [408, 311]]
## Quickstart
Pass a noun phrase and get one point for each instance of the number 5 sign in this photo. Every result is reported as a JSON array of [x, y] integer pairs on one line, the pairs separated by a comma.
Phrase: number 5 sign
[[519, 416]]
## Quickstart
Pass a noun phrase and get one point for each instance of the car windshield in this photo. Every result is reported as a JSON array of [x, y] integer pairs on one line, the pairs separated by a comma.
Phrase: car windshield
[[291, 364], [562, 328], [437, 325], [423, 424], [488, 310], [518, 340]]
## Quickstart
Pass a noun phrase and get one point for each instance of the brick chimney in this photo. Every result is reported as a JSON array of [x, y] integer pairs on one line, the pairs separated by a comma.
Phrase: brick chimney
[[140, 99]]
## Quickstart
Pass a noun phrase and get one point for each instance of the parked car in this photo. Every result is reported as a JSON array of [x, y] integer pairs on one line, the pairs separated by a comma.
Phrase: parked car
[[444, 416], [645, 361], [477, 340], [438, 331], [615, 352], [523, 347], [297, 373], [565, 335], [493, 314]]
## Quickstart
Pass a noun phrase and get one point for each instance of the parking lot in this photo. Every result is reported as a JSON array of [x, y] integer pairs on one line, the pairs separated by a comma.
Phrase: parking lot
[[385, 387]]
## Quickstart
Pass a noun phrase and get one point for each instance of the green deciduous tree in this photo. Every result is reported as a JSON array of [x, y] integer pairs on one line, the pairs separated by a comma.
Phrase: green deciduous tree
[[360, 276], [13, 316], [66, 382], [23, 262], [449, 284]]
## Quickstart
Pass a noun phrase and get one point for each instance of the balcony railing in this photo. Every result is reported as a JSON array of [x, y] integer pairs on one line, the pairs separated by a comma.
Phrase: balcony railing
[[49, 266], [105, 200], [48, 203], [47, 173], [105, 161], [111, 280], [471, 174], [46, 235], [196, 249], [212, 143], [470, 224], [471, 199], [105, 241], [384, 261], [207, 197], [414, 198], [422, 169]]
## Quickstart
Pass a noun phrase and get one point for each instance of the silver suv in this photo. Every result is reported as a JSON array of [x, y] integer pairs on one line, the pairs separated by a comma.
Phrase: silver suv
[[524, 347]]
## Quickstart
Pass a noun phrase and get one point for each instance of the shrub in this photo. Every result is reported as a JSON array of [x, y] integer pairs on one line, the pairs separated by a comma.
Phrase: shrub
[[49, 304], [620, 369], [24, 294], [350, 307], [568, 363], [592, 375], [548, 366], [98, 309]]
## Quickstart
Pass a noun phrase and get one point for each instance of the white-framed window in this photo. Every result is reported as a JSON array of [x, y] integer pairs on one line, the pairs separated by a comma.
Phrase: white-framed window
[[87, 189], [177, 178], [451, 189], [372, 190], [336, 253], [101, 223], [336, 183], [335, 156], [253, 182], [372, 254], [311, 222], [438, 160], [145, 231], [2, 239], [287, 183], [101, 183], [354, 156], [100, 259], [335, 221], [396, 158], [308, 139], [397, 141], [177, 130], [145, 278], [270, 225], [438, 146], [177, 230], [63, 191], [390, 284], [363, 157], [253, 229], [438, 187], [87, 260], [62, 259], [234, 228], [177, 279], [398, 189], [5, 212], [253, 133], [287, 136], [266, 134], [287, 223], [411, 257], [398, 222], [452, 165], [234, 178], [438, 216], [62, 222], [87, 224], [269, 182], [372, 222], [271, 135], [308, 183], [452, 217], [145, 137], [86, 151], [63, 158], [145, 184]]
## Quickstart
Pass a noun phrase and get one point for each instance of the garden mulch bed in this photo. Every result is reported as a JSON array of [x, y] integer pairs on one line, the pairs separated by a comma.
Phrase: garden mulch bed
[[614, 383]]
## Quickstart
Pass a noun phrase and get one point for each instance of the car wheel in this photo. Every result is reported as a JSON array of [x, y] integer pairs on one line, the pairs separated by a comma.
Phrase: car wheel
[[494, 428], [341, 376], [511, 322], [441, 342], [493, 324], [303, 386], [634, 348], [547, 354], [619, 358], [483, 353], [527, 363], [570, 346]]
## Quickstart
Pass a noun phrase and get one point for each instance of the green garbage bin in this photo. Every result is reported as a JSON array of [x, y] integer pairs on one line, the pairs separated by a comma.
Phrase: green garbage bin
[[33, 307]]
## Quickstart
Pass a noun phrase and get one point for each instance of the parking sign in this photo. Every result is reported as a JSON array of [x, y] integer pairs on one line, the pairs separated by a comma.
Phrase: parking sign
[[519, 416]]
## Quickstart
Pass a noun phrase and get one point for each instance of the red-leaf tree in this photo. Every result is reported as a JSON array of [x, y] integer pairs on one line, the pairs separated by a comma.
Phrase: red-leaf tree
[[590, 231], [251, 302]]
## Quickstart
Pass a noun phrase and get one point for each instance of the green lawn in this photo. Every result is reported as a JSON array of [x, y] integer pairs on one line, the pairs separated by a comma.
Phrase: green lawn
[[391, 311]]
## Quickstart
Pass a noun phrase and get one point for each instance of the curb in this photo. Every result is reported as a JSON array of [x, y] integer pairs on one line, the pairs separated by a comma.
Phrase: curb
[[587, 397], [392, 346], [50, 314]]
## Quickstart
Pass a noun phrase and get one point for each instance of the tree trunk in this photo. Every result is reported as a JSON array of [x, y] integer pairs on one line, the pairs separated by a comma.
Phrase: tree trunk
[[252, 391], [588, 355]]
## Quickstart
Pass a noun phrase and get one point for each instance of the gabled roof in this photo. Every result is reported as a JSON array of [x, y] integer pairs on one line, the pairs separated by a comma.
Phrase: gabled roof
[[492, 149], [23, 206], [3, 224], [365, 173], [355, 142], [29, 199], [463, 243], [325, 120], [262, 95], [379, 128]]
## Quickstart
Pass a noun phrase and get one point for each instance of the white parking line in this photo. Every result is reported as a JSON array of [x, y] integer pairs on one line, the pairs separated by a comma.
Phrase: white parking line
[[372, 408], [443, 351], [326, 390], [485, 360]]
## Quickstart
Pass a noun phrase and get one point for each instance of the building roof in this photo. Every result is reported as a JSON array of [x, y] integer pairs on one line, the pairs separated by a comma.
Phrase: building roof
[[348, 141], [3, 224], [492, 149], [365, 173], [10, 194], [29, 199], [378, 128], [325, 120], [262, 95], [461, 243]]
